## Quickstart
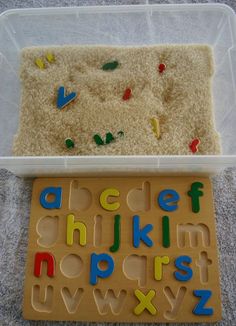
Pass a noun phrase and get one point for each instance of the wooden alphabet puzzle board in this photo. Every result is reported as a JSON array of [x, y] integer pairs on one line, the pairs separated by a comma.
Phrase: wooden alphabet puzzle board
[[122, 250]]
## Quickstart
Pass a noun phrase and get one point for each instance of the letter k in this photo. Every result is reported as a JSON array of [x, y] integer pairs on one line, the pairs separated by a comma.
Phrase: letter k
[[141, 234]]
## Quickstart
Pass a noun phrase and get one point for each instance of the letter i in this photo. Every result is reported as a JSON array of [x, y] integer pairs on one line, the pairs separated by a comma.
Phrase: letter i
[[97, 233]]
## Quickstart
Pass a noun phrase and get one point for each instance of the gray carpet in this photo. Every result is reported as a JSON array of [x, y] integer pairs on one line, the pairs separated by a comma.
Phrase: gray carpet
[[15, 194]]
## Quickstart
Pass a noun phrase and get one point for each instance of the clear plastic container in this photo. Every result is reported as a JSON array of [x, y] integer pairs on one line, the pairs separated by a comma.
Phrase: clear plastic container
[[212, 24]]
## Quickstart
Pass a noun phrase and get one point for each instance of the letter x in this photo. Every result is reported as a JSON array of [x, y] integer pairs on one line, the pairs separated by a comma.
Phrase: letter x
[[145, 302]]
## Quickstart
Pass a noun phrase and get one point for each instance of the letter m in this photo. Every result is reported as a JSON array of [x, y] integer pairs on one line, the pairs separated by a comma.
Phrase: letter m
[[193, 233]]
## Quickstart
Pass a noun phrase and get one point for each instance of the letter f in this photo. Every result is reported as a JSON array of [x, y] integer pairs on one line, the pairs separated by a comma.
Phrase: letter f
[[195, 193]]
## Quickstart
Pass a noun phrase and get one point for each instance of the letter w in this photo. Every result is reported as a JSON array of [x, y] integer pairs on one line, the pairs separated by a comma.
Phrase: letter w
[[116, 302]]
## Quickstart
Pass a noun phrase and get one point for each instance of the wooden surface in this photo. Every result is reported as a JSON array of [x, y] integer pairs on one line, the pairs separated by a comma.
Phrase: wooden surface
[[70, 294]]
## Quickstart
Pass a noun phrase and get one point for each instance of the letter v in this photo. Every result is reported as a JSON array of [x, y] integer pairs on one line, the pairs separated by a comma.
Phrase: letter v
[[71, 301], [63, 100]]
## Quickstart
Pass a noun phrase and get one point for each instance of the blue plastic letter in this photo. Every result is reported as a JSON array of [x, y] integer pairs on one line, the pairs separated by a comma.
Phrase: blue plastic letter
[[188, 271], [56, 203], [95, 271], [200, 308], [139, 235], [164, 202]]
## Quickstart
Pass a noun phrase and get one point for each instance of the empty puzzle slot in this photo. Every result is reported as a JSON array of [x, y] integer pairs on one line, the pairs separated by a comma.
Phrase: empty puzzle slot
[[47, 229], [174, 301], [71, 266], [72, 301], [138, 199], [194, 233], [109, 299], [42, 298], [134, 268], [203, 262], [97, 235], [80, 198]]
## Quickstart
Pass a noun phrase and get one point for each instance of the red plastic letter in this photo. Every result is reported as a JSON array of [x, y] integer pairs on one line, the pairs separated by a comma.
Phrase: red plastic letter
[[39, 258]]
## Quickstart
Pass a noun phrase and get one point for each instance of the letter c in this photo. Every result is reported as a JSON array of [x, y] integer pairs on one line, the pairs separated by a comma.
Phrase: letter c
[[109, 192]]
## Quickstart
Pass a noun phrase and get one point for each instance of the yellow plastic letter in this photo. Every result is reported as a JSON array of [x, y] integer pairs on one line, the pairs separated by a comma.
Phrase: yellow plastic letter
[[110, 192], [39, 62], [158, 266], [71, 227], [145, 302]]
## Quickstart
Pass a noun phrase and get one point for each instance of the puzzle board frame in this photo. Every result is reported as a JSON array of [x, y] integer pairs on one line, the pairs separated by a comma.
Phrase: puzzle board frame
[[146, 190]]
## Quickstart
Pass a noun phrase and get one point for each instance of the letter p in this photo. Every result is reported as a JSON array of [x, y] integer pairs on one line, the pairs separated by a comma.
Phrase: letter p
[[96, 271]]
